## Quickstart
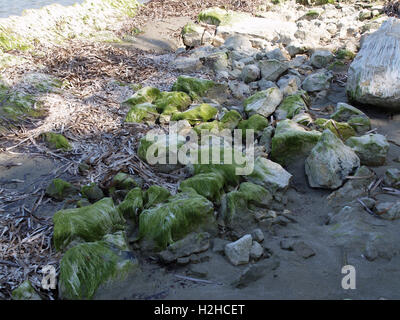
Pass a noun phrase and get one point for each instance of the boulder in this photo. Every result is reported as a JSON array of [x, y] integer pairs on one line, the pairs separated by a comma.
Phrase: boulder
[[255, 122], [291, 141], [250, 73], [321, 58], [209, 185], [372, 149], [194, 35], [374, 75], [171, 102], [341, 129], [353, 116], [317, 81], [132, 204], [290, 106], [272, 69], [330, 162], [263, 102]]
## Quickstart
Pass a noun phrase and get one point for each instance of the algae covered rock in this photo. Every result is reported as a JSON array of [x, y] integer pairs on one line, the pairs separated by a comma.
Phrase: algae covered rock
[[217, 16], [60, 189], [193, 35], [392, 177], [56, 141], [88, 223], [256, 122], [353, 116], [290, 107], [198, 88], [155, 195], [203, 112], [132, 204], [269, 175], [263, 102], [142, 112], [171, 102], [341, 129], [230, 120], [88, 266], [208, 185], [170, 221], [292, 141], [372, 149], [25, 291], [92, 192], [124, 181], [146, 94], [330, 162]]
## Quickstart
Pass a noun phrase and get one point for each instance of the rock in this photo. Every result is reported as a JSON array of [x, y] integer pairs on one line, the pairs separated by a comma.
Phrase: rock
[[154, 196], [290, 106], [92, 192], [303, 250], [191, 244], [257, 235], [88, 266], [340, 129], [321, 58], [202, 112], [198, 89], [217, 61], [239, 89], [88, 223], [272, 69], [124, 181], [194, 35], [317, 82], [198, 271], [289, 85], [256, 251], [59, 189], [172, 102], [25, 291], [303, 118], [388, 210], [187, 64], [238, 43], [286, 244], [291, 142], [230, 120], [256, 271], [183, 212], [278, 54], [330, 162], [266, 138], [255, 122], [217, 16], [392, 177], [144, 112], [265, 84], [270, 175], [353, 188], [263, 102], [146, 94], [132, 204], [250, 73], [56, 141], [356, 118], [238, 252], [371, 79], [372, 149], [209, 185]]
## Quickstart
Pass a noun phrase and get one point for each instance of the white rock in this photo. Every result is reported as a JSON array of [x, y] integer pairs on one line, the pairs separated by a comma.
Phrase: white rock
[[256, 251], [238, 252], [374, 75]]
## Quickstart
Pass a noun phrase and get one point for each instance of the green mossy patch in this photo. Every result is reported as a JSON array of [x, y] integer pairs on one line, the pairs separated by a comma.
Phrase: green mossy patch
[[146, 94], [88, 223], [196, 88], [87, 266], [357, 119], [292, 141], [345, 54], [160, 144], [291, 106], [56, 141], [132, 204], [143, 112], [341, 129], [256, 122], [11, 41], [217, 16], [123, 181], [203, 112], [172, 102], [92, 192], [209, 185], [230, 120], [171, 221], [25, 291], [59, 189], [155, 195]]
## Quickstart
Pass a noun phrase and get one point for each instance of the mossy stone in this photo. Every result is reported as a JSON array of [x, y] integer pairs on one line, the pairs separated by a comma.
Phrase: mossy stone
[[194, 87], [203, 112], [256, 122], [25, 291], [290, 106], [146, 94], [92, 192], [56, 141], [341, 129], [142, 112], [170, 102], [208, 185], [132, 204], [155, 195], [60, 189], [230, 120]]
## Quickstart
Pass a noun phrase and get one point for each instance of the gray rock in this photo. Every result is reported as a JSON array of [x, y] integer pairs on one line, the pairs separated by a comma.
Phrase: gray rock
[[238, 43], [272, 69], [256, 251], [303, 250], [388, 210], [278, 54], [355, 117], [250, 73], [266, 138], [298, 60], [289, 84], [198, 271], [330, 162], [286, 244], [373, 76], [372, 149], [265, 84], [239, 89], [317, 81], [257, 235], [263, 102], [187, 64], [321, 58], [218, 245], [238, 252], [256, 271], [392, 177]]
